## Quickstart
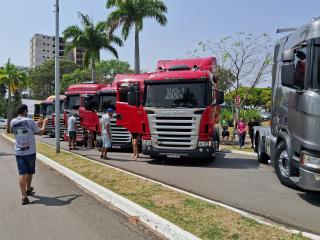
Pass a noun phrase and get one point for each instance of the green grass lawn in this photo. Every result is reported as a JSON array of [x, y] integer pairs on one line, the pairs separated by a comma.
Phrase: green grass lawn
[[199, 217]]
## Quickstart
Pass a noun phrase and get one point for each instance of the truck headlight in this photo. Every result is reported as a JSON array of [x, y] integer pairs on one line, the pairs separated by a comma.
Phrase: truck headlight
[[204, 143], [146, 143], [310, 161]]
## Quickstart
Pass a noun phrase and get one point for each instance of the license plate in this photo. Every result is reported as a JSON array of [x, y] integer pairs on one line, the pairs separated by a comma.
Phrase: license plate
[[173, 156], [116, 147]]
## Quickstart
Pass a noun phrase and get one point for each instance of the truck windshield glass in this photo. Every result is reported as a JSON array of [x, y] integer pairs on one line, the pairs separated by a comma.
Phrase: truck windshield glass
[[72, 102], [315, 69], [46, 109], [185, 95], [61, 106], [107, 101]]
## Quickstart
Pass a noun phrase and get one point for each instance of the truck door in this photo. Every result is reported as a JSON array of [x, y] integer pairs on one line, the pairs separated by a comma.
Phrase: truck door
[[129, 113], [89, 118]]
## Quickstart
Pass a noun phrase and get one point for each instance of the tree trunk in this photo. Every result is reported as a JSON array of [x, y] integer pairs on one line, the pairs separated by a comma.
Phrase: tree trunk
[[93, 66], [10, 110], [136, 51]]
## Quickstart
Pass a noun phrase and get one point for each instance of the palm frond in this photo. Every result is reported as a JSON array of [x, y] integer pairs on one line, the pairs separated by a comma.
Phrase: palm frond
[[85, 19]]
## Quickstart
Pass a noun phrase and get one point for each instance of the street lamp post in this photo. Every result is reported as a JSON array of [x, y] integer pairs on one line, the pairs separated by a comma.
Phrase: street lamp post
[[57, 80]]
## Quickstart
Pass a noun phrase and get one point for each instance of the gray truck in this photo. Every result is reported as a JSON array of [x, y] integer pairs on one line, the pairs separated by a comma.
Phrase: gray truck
[[292, 143]]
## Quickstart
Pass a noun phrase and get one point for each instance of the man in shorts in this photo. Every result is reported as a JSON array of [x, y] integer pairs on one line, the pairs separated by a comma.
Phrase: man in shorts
[[24, 129], [72, 130], [106, 133]]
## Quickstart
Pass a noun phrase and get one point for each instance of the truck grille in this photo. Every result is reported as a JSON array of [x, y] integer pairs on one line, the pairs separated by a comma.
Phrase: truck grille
[[174, 130]]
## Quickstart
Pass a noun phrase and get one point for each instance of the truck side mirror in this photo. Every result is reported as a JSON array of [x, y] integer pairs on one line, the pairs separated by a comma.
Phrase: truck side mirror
[[287, 55], [220, 97], [287, 74]]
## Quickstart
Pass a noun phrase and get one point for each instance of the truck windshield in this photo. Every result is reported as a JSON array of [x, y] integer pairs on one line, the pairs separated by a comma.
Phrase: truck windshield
[[72, 102], [46, 109], [107, 101], [315, 68], [61, 106], [185, 95]]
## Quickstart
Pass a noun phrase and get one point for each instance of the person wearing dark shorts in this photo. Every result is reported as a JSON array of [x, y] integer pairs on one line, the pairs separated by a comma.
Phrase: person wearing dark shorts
[[135, 145], [72, 130], [24, 129]]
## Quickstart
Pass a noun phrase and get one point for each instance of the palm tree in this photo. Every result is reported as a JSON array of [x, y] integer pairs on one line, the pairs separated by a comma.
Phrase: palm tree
[[14, 80], [91, 38], [131, 13]]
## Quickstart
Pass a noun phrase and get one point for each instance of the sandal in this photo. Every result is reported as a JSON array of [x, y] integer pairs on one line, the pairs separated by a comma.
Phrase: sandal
[[25, 201], [30, 191]]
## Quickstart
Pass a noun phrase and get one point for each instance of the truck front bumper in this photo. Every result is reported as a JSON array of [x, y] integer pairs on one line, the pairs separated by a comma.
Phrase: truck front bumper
[[309, 180], [200, 153]]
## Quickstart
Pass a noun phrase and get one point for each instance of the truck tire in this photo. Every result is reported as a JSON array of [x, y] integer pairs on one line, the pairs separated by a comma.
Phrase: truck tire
[[262, 156], [281, 165]]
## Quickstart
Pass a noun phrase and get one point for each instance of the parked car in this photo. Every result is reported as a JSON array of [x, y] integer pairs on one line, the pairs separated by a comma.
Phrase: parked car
[[3, 123]]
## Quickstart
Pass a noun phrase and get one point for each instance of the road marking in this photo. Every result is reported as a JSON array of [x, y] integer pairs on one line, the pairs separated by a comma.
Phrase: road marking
[[255, 217]]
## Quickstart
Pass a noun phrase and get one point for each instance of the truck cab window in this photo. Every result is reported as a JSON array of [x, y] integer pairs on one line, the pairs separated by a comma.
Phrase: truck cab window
[[123, 92], [300, 67]]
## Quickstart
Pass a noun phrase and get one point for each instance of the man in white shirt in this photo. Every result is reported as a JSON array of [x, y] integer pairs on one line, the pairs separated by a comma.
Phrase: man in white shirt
[[72, 130], [24, 129], [106, 133]]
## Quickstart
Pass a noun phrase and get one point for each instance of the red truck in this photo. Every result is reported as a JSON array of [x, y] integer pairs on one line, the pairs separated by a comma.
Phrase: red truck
[[81, 99], [106, 98], [176, 109]]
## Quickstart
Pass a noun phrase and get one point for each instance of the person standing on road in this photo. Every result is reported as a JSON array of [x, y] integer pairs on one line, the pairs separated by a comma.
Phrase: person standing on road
[[242, 131], [254, 122], [24, 129], [106, 133], [72, 130], [135, 145]]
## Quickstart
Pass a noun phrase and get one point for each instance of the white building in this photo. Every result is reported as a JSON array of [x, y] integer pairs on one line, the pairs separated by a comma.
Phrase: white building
[[42, 48]]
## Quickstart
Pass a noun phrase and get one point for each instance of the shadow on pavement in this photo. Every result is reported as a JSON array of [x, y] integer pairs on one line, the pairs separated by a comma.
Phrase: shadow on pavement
[[6, 154], [221, 161], [54, 201], [311, 197]]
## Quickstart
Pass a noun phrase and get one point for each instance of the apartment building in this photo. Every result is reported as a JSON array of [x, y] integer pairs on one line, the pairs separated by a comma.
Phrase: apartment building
[[42, 48]]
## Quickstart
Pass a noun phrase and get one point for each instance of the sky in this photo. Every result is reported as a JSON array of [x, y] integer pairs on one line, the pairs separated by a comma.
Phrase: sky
[[189, 21]]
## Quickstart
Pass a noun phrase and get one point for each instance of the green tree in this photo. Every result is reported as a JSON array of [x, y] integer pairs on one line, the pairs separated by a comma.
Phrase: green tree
[[257, 98], [106, 70], [14, 80], [78, 76], [41, 78], [91, 38], [131, 13]]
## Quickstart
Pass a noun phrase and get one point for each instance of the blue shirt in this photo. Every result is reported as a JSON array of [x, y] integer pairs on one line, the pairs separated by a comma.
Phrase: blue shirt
[[24, 129]]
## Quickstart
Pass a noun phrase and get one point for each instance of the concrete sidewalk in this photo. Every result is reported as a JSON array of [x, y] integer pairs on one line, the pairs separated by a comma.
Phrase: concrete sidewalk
[[58, 210]]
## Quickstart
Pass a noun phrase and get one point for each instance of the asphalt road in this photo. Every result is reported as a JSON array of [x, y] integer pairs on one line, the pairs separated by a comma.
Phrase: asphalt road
[[58, 210], [233, 179]]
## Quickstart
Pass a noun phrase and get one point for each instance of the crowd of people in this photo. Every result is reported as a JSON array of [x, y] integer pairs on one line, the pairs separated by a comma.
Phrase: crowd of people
[[89, 137], [241, 129]]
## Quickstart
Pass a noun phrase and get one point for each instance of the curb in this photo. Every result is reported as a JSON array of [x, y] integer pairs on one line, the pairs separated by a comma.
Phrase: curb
[[153, 221], [165, 222]]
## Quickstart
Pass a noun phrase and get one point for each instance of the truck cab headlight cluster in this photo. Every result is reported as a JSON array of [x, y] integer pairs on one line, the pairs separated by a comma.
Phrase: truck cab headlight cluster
[[310, 160], [204, 144]]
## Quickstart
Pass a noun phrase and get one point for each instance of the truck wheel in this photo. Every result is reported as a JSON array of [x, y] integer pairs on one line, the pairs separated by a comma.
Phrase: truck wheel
[[281, 165], [262, 156]]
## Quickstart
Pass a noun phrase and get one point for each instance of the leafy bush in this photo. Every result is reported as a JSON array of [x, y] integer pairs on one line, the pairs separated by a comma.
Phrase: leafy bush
[[246, 114]]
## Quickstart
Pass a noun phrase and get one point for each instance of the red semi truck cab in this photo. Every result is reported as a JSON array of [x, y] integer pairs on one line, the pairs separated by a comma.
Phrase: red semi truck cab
[[176, 109], [47, 110], [81, 99], [106, 98]]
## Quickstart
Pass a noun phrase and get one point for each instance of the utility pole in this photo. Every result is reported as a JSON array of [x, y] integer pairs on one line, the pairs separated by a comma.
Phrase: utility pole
[[57, 80]]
